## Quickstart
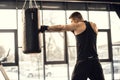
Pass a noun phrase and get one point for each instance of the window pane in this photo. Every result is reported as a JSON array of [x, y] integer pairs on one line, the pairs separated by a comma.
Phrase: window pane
[[54, 46], [115, 27], [107, 69], [8, 19], [102, 45], [72, 59], [31, 66], [7, 45], [52, 17], [58, 72], [116, 58], [20, 28], [117, 70], [54, 40], [100, 18], [71, 39], [11, 71], [116, 52]]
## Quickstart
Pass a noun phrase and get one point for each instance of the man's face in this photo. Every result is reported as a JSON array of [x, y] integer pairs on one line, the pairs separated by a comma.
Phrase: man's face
[[73, 21]]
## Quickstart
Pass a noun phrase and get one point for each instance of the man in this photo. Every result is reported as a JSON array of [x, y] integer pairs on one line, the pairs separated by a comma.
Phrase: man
[[87, 64]]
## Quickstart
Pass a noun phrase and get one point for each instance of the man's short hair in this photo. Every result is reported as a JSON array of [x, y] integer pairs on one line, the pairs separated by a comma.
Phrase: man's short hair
[[75, 15]]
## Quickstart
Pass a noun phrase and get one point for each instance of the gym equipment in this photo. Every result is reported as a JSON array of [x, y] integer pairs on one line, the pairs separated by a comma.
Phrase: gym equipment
[[1, 67], [30, 31], [3, 72]]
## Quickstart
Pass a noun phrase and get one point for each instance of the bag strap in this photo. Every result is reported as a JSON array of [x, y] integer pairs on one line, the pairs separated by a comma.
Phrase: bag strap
[[30, 4]]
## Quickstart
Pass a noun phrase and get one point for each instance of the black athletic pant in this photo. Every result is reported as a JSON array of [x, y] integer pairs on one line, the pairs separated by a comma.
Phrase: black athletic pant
[[90, 68]]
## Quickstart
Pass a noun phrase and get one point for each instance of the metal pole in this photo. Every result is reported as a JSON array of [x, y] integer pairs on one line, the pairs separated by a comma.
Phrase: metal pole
[[3, 72]]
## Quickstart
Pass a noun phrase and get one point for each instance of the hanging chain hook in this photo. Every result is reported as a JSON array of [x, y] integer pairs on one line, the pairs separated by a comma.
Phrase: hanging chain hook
[[30, 4]]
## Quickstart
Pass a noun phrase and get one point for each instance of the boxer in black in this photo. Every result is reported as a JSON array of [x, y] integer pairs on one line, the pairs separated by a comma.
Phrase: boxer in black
[[87, 63]]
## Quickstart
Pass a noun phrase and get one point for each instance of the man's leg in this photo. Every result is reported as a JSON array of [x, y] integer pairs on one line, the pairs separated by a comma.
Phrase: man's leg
[[96, 72], [80, 71]]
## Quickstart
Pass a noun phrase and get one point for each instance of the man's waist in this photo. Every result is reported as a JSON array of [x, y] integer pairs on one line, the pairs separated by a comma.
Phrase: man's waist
[[88, 58]]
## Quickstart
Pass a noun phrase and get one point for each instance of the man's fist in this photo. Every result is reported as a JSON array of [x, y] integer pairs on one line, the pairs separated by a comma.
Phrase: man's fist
[[43, 28]]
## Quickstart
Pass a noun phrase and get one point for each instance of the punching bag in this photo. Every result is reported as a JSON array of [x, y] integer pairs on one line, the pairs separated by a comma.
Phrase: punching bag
[[30, 31]]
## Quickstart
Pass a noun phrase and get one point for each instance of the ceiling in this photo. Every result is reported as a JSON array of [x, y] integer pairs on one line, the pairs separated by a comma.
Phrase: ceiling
[[12, 4], [105, 1], [114, 4]]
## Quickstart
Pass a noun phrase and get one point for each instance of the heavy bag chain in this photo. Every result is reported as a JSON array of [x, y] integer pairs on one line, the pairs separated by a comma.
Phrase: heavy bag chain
[[30, 4]]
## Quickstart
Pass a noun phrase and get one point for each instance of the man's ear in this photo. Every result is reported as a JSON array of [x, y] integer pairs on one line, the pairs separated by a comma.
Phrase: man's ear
[[76, 20]]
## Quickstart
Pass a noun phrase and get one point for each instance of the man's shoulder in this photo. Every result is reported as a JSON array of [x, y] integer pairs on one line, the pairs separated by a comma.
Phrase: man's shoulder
[[94, 27]]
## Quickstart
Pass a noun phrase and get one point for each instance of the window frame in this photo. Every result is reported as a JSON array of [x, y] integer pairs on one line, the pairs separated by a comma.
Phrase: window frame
[[14, 31]]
